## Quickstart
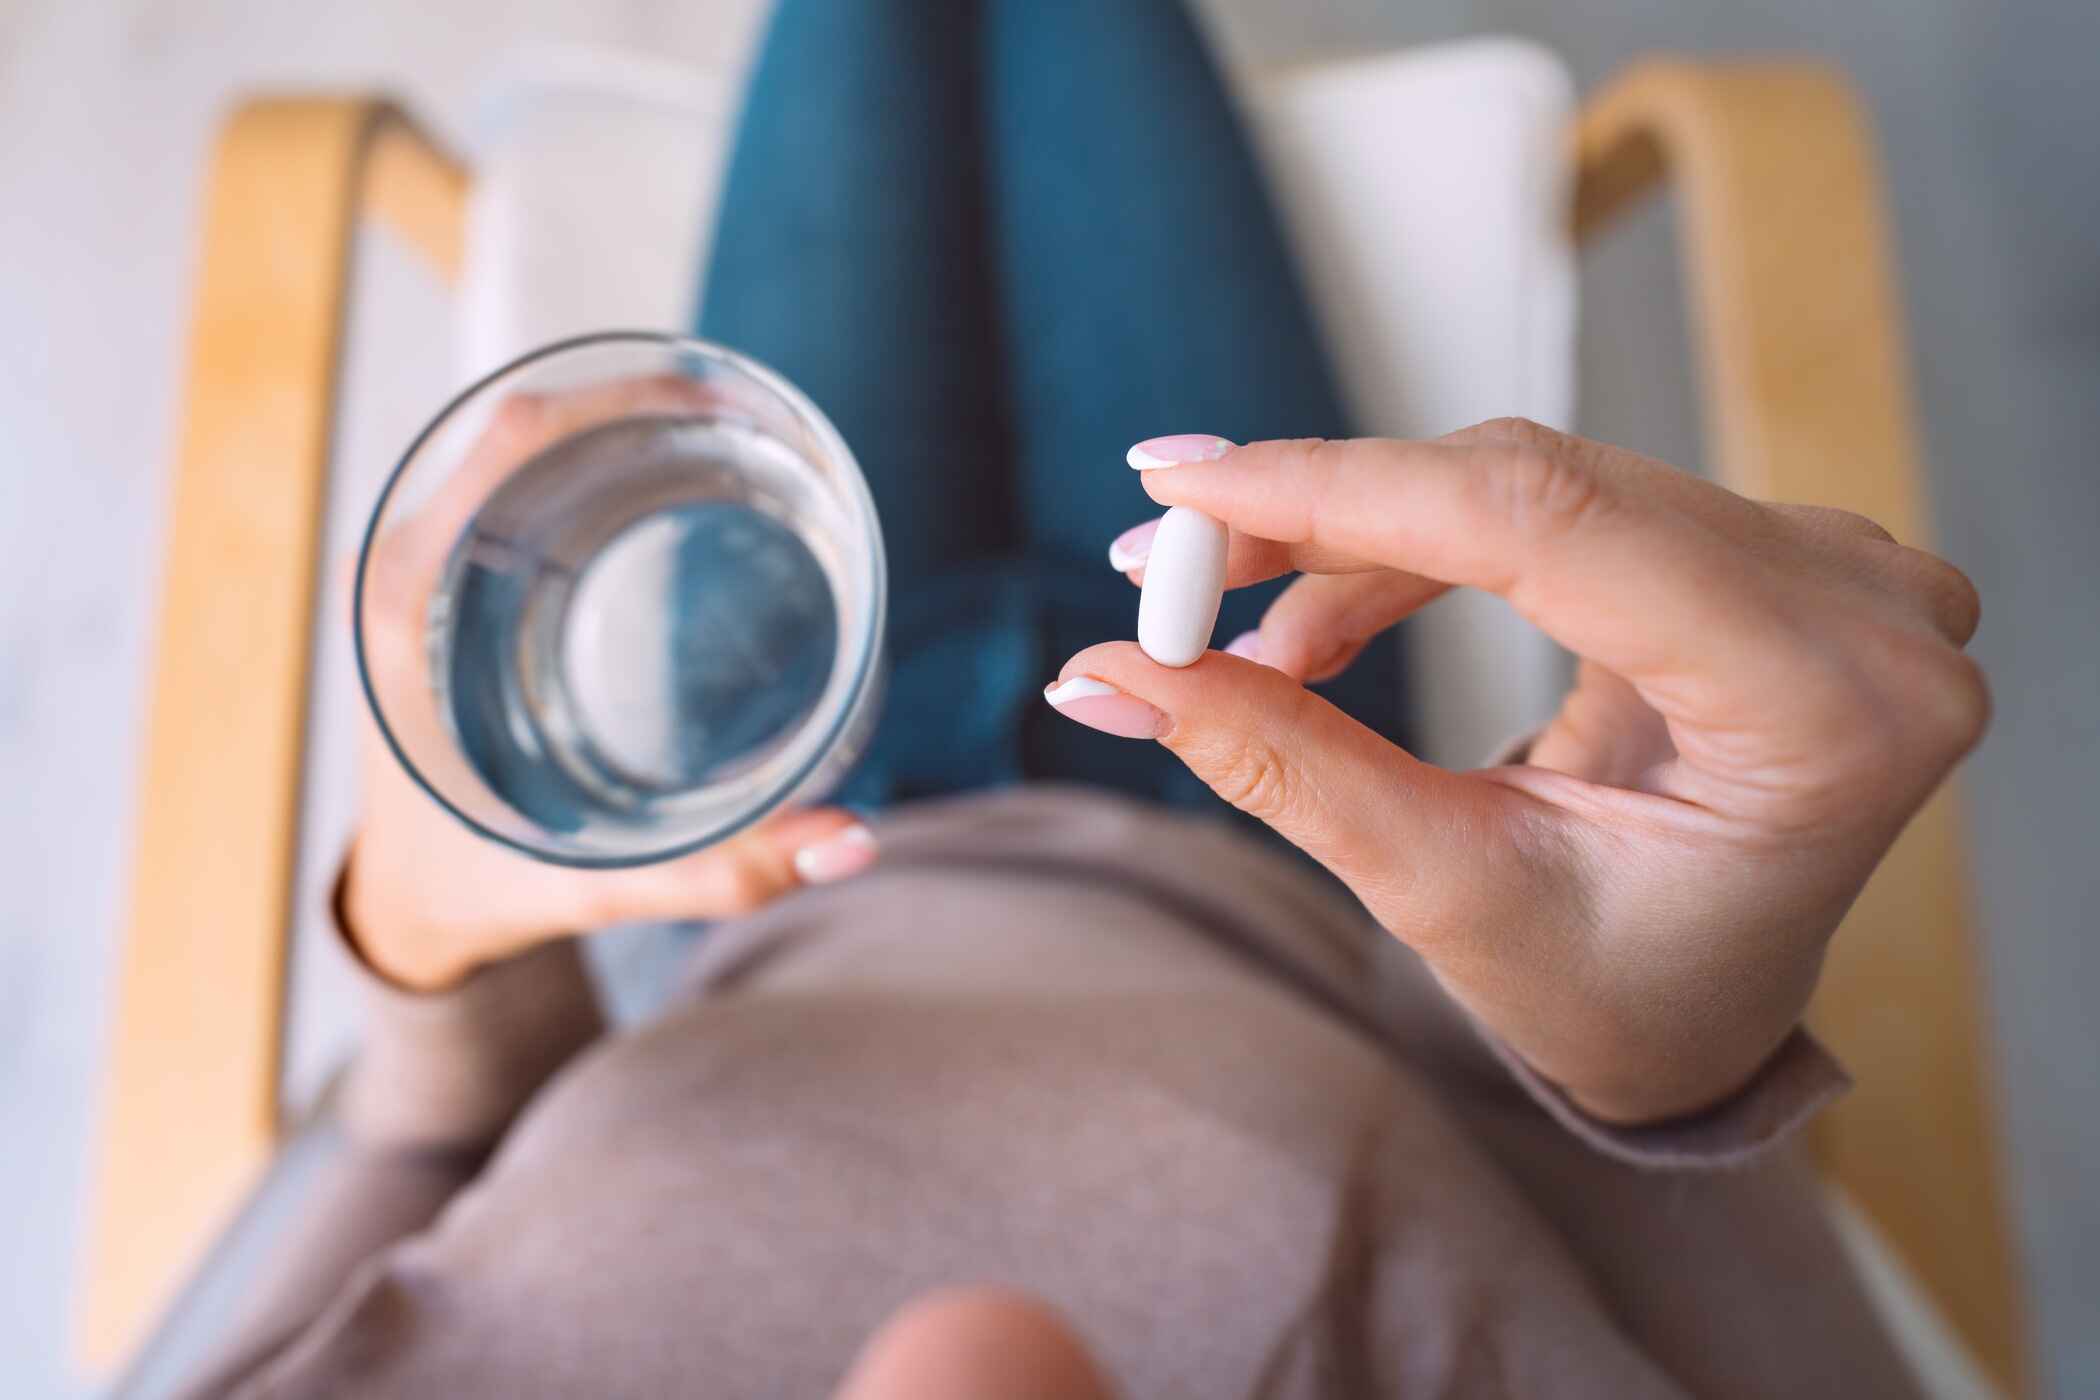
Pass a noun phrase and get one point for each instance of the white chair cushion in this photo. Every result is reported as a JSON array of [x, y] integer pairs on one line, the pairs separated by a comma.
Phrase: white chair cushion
[[595, 188], [1426, 193]]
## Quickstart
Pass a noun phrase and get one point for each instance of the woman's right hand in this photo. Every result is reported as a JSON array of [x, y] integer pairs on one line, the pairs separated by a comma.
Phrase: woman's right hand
[[1640, 907]]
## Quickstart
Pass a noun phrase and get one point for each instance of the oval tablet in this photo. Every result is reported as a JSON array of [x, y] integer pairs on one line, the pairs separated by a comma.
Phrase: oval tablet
[[1184, 582]]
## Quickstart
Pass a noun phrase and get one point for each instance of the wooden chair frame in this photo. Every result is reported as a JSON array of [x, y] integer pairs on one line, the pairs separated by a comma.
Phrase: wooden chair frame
[[1787, 262], [1786, 251], [191, 1113]]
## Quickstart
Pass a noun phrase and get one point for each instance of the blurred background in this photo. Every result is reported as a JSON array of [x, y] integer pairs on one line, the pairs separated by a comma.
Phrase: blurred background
[[1989, 118]]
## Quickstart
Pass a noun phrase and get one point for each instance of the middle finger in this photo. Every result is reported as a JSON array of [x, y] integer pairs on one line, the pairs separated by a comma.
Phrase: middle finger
[[1249, 559]]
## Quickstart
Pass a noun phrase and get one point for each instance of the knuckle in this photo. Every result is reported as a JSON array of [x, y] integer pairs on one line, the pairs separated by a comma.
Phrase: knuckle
[[1948, 595], [1299, 452], [517, 419], [1958, 705], [1312, 460], [1250, 773], [1849, 524], [1547, 495], [1513, 430], [1314, 464]]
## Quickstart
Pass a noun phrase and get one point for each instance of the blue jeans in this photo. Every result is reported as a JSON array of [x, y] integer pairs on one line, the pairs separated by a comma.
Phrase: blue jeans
[[998, 241]]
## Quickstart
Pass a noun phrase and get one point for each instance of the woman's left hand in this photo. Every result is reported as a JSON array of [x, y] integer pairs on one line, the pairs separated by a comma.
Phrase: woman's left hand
[[427, 900]]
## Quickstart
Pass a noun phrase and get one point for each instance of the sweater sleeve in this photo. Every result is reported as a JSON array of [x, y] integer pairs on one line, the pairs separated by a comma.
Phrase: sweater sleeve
[[1791, 1088], [447, 1072], [438, 1079]]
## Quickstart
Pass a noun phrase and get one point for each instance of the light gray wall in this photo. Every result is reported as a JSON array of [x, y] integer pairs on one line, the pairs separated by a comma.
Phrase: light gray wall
[[1989, 118]]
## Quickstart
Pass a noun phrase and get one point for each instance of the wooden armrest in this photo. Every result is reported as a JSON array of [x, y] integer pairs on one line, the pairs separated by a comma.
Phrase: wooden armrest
[[1786, 255], [191, 1110]]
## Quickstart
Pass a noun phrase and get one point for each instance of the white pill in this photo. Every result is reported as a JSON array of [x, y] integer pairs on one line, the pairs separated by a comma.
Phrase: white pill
[[1184, 582]]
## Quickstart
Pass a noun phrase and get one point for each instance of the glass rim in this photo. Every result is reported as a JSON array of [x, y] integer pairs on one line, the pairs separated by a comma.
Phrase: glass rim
[[868, 649]]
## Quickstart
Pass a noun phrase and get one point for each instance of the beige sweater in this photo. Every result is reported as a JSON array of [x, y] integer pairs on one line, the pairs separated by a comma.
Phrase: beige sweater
[[1158, 1076]]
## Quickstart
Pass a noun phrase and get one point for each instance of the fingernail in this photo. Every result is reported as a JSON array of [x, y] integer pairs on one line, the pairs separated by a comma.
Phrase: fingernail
[[1247, 644], [1175, 449], [1132, 547], [838, 855], [1099, 705]]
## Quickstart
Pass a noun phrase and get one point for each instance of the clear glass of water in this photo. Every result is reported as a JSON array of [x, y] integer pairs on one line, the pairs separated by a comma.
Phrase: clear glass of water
[[622, 598]]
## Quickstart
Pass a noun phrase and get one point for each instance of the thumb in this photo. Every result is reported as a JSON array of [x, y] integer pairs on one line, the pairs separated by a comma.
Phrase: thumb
[[1379, 818], [810, 846]]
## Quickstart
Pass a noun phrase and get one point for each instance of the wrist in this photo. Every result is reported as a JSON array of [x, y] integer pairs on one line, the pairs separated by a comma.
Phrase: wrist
[[1647, 1104], [1631, 1089], [389, 947]]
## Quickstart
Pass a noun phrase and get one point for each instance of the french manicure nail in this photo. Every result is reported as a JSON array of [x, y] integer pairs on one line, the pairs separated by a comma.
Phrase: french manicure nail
[[1175, 449], [1246, 644], [1132, 547], [838, 855], [1099, 705]]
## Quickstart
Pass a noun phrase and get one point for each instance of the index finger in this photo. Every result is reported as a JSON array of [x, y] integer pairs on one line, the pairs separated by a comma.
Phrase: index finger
[[1601, 554]]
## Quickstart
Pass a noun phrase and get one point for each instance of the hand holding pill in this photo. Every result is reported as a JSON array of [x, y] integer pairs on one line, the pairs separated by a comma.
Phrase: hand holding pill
[[1639, 907]]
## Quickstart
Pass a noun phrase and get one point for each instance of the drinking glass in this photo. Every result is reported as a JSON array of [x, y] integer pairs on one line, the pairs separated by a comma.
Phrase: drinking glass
[[622, 598]]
